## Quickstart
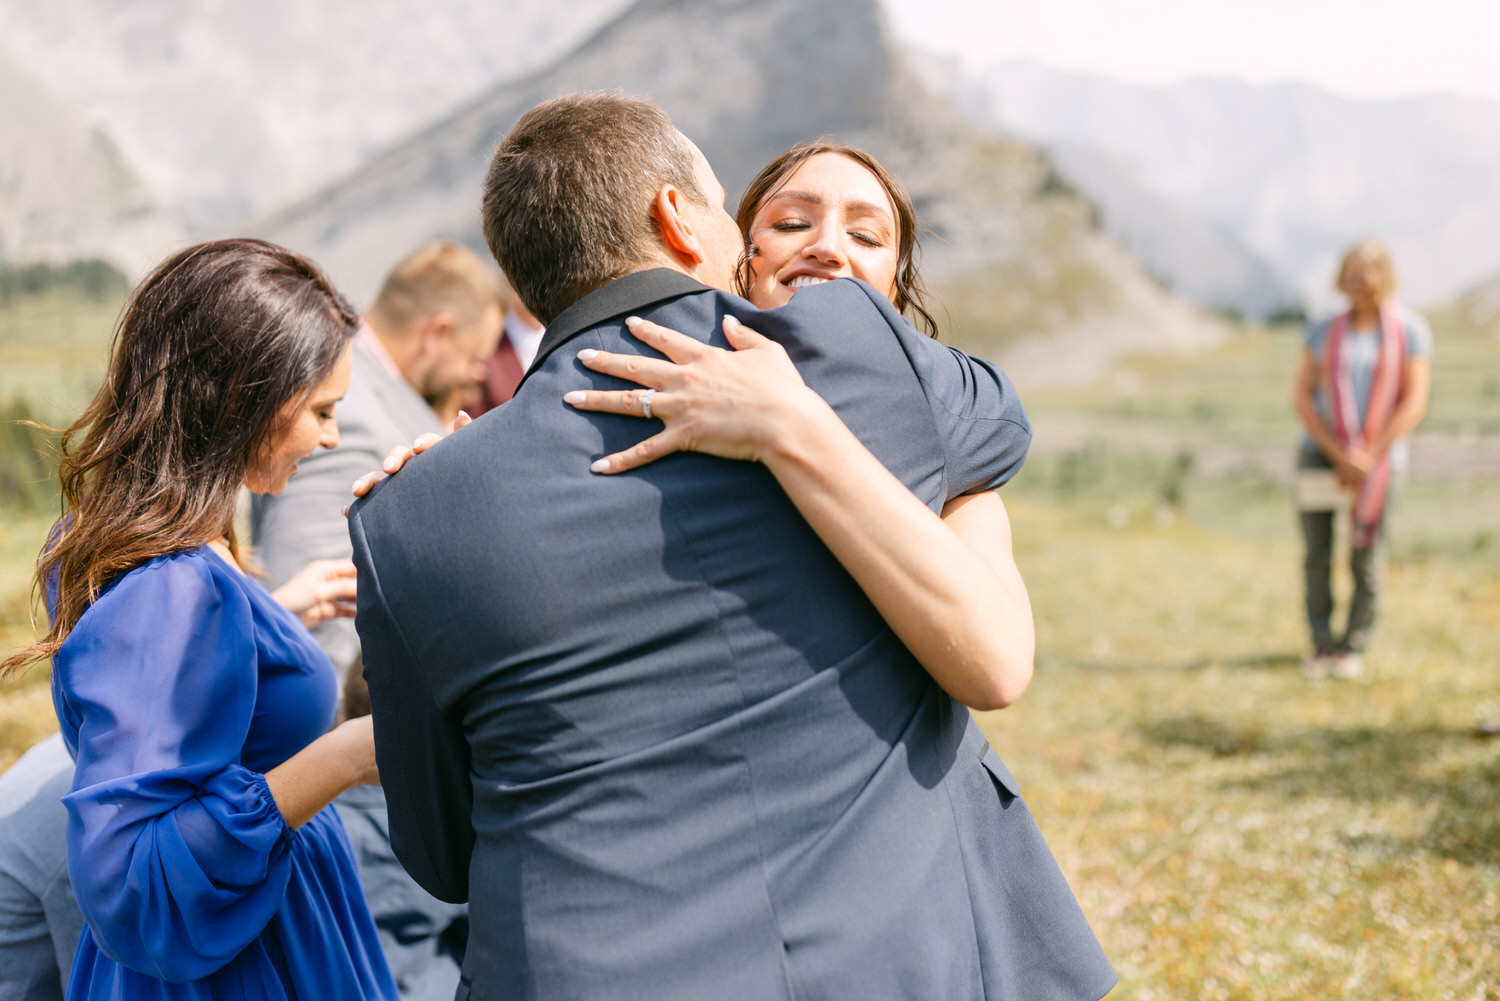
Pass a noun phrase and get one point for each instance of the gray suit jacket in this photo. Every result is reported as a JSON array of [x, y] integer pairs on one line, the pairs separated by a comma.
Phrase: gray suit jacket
[[652, 730], [306, 521], [39, 919]]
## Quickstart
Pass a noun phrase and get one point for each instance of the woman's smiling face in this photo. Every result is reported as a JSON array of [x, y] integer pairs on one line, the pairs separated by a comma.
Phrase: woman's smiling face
[[831, 218], [307, 424]]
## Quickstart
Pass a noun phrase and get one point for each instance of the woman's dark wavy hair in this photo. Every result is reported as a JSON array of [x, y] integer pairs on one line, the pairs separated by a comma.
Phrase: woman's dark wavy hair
[[911, 290], [210, 350]]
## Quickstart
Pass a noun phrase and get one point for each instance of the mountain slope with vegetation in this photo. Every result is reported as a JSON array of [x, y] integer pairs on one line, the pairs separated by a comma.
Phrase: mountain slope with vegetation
[[1013, 251]]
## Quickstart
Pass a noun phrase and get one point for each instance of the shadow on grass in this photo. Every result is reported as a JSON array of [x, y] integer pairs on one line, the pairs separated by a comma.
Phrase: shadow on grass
[[1275, 661], [1362, 764], [1205, 734]]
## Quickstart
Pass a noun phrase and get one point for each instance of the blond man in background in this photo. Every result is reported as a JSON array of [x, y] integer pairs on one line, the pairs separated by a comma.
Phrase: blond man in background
[[423, 344]]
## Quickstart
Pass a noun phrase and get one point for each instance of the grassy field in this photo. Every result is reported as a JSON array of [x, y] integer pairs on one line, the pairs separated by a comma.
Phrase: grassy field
[[1233, 830]]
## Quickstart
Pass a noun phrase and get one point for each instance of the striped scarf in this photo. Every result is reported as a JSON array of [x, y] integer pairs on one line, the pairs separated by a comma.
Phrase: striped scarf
[[1354, 428]]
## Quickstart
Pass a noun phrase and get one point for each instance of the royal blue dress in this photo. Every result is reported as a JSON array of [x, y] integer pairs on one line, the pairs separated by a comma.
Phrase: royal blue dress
[[177, 690]]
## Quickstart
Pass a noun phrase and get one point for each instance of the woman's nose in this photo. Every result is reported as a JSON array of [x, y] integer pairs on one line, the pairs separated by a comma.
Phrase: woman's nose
[[826, 247]]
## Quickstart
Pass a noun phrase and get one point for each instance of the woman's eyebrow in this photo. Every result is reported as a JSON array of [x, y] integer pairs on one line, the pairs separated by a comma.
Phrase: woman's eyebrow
[[867, 208], [810, 197], [854, 207]]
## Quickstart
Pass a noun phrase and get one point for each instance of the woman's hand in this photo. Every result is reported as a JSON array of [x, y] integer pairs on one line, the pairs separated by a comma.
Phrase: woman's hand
[[739, 404], [948, 587], [1352, 466], [355, 743], [322, 590], [398, 457]]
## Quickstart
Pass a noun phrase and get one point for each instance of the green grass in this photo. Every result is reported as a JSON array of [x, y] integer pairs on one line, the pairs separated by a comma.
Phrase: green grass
[[52, 350], [25, 706], [1232, 830]]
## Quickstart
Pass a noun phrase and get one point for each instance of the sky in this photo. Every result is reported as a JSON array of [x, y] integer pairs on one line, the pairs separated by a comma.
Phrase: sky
[[1359, 48]]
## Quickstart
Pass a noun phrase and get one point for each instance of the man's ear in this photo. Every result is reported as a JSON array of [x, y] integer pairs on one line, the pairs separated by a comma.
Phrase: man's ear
[[677, 232], [437, 332]]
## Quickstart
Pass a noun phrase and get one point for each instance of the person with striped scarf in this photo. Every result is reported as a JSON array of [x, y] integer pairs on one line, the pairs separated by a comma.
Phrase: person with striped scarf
[[1361, 389]]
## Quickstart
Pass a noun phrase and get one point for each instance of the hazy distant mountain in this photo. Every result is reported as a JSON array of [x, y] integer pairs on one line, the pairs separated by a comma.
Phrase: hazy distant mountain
[[223, 110], [1481, 305], [1293, 172], [63, 184], [1189, 254]]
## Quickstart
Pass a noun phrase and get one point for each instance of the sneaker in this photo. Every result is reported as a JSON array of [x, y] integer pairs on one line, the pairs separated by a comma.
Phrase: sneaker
[[1347, 666], [1316, 666]]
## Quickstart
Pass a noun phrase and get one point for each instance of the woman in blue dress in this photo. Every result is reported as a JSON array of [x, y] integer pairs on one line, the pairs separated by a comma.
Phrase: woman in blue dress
[[201, 845]]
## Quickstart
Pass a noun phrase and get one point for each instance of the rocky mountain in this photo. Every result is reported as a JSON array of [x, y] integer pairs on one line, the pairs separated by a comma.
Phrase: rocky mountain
[[129, 128], [1292, 172], [1012, 249], [1190, 254], [219, 110], [64, 184]]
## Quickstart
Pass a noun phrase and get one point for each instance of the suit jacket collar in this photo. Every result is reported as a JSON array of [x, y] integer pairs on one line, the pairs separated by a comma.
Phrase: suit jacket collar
[[398, 401], [620, 297]]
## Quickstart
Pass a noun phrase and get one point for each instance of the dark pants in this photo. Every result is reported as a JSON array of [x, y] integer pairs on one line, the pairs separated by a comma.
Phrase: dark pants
[[1366, 565]]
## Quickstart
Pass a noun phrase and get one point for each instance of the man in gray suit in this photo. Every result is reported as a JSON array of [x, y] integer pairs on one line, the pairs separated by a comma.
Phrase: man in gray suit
[[647, 724], [430, 330]]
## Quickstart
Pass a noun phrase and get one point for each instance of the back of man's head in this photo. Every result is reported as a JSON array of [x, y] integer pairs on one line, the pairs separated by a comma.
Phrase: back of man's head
[[568, 199], [438, 277]]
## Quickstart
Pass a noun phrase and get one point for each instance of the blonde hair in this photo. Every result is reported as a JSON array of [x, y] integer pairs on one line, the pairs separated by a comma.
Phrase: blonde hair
[[1375, 254], [439, 277]]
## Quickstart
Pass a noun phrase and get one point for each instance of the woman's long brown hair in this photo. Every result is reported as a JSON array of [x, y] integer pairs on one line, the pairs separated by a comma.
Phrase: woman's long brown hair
[[210, 350], [911, 290]]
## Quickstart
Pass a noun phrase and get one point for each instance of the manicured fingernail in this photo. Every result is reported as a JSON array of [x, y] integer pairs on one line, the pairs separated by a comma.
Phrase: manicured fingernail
[[599, 466], [587, 354], [464, 413], [389, 465], [730, 319], [575, 397], [632, 321]]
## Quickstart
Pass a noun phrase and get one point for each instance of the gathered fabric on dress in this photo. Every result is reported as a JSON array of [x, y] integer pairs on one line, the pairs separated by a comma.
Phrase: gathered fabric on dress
[[179, 688]]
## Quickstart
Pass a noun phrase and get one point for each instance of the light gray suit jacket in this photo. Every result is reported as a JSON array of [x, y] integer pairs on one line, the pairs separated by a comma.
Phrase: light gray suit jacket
[[306, 521], [39, 919]]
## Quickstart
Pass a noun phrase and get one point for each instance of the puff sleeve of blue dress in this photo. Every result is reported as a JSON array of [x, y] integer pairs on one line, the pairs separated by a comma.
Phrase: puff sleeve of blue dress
[[177, 690]]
